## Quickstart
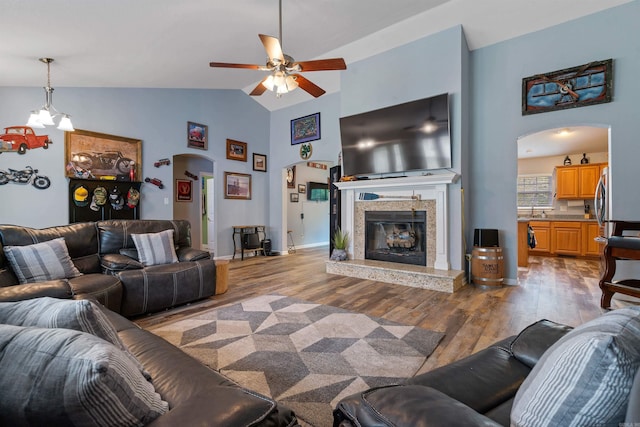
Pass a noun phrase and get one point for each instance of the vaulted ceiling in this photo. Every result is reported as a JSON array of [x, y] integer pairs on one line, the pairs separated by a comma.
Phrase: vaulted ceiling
[[169, 44]]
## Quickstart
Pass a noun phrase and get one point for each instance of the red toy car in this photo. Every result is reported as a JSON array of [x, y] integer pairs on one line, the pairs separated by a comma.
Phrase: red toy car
[[21, 139]]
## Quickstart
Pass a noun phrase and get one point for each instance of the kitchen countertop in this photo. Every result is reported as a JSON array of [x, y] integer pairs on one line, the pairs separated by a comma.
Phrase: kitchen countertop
[[556, 218]]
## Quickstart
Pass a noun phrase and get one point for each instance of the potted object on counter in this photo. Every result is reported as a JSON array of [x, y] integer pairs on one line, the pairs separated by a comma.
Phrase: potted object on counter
[[340, 242]]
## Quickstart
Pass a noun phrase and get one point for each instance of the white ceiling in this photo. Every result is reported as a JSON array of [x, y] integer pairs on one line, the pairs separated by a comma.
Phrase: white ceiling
[[563, 141], [169, 43]]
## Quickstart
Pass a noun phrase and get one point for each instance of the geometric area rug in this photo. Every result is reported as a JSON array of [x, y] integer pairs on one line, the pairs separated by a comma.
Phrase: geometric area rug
[[304, 355]]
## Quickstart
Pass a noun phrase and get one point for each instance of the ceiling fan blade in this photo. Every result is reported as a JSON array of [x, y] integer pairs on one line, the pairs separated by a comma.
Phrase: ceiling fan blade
[[322, 65], [230, 65], [309, 86], [272, 46], [259, 90]]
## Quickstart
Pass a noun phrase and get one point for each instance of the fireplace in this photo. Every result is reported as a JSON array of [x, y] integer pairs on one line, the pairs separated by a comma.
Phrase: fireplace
[[425, 194], [396, 236]]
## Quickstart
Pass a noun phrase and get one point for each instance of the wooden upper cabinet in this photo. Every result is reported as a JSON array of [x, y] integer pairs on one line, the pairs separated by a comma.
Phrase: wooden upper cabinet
[[588, 176], [567, 182], [577, 182]]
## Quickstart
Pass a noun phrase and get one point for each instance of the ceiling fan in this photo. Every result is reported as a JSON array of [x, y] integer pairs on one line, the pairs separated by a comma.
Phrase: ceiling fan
[[284, 69]]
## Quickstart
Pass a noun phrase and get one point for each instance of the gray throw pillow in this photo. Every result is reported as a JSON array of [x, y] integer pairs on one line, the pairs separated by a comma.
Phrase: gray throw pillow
[[585, 378], [61, 377], [39, 262], [79, 315], [155, 248]]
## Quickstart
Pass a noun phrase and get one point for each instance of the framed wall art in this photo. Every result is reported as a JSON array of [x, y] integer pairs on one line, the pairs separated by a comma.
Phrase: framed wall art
[[93, 155], [302, 188], [259, 162], [236, 150], [580, 86], [184, 190], [305, 129], [197, 136], [237, 186], [294, 197]]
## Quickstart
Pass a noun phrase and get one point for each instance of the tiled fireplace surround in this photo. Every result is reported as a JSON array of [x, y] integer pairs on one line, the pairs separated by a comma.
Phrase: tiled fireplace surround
[[427, 193]]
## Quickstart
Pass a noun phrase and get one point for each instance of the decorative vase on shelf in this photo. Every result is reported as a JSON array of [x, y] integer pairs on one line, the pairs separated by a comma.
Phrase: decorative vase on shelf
[[567, 161], [340, 242], [584, 160]]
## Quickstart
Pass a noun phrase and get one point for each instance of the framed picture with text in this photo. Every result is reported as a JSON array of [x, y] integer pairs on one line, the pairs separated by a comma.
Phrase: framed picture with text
[[184, 190], [197, 136]]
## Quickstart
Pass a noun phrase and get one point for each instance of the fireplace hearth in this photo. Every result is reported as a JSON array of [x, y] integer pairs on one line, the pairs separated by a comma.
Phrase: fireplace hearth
[[396, 236]]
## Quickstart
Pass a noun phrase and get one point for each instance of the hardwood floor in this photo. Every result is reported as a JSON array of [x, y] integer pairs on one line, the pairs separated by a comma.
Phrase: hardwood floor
[[560, 289]]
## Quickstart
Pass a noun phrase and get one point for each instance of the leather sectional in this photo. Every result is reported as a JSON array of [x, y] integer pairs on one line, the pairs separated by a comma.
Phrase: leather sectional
[[104, 253]]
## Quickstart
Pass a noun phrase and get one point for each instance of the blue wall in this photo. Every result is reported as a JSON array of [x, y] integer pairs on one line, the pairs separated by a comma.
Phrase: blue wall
[[159, 118], [486, 122], [496, 120]]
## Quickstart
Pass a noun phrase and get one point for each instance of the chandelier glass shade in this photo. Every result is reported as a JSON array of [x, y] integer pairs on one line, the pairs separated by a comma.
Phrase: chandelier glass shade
[[45, 115]]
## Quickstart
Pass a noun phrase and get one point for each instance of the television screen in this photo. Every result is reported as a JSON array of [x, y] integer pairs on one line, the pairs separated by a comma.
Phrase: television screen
[[317, 191], [406, 137]]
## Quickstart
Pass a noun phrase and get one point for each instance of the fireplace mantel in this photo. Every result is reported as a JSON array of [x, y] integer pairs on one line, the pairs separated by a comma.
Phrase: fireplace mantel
[[410, 188], [399, 182]]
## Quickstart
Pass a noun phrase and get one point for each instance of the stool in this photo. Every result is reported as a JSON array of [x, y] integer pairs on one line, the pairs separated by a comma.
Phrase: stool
[[292, 246], [222, 276], [620, 247]]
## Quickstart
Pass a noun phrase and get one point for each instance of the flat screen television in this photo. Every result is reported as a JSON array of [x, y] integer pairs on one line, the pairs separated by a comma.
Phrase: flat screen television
[[317, 191], [407, 137]]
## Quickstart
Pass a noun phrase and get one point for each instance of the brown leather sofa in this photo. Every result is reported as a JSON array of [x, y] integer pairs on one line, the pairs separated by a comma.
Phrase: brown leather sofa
[[478, 390], [197, 395], [105, 254]]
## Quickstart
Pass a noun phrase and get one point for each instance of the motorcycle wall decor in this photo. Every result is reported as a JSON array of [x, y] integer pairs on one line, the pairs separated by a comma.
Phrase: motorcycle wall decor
[[94, 155], [28, 175]]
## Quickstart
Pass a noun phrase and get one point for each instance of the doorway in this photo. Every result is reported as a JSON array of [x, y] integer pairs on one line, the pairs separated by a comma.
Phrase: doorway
[[190, 168], [562, 224], [303, 214]]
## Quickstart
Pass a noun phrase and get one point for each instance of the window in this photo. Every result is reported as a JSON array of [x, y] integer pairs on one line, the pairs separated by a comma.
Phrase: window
[[535, 191]]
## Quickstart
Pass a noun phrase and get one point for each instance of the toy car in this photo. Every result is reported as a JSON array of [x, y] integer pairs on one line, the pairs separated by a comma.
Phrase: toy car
[[21, 139]]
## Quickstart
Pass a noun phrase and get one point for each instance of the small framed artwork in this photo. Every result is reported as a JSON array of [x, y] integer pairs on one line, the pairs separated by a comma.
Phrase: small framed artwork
[[236, 150], [302, 188], [305, 129], [586, 84], [259, 162], [237, 186], [184, 190], [294, 197], [197, 136]]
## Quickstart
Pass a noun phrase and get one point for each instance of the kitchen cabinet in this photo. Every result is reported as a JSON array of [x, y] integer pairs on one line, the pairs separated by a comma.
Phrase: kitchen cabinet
[[590, 247], [566, 238], [542, 230], [577, 182]]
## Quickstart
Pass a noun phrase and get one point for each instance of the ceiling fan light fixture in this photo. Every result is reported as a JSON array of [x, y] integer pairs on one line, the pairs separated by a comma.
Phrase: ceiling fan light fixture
[[430, 126]]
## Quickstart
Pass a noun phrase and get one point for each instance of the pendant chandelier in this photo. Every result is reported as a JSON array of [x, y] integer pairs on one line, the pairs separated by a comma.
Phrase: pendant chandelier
[[44, 116]]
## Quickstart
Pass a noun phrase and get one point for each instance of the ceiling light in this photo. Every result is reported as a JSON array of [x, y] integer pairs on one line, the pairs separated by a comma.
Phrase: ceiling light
[[280, 82], [46, 114], [430, 126]]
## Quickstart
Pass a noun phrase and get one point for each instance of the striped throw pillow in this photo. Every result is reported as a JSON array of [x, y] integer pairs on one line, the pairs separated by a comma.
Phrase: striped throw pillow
[[585, 378], [61, 377], [155, 248], [39, 262], [79, 315]]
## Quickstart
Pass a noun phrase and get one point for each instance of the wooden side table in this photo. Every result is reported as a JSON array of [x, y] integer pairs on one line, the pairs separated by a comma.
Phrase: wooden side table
[[241, 231]]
